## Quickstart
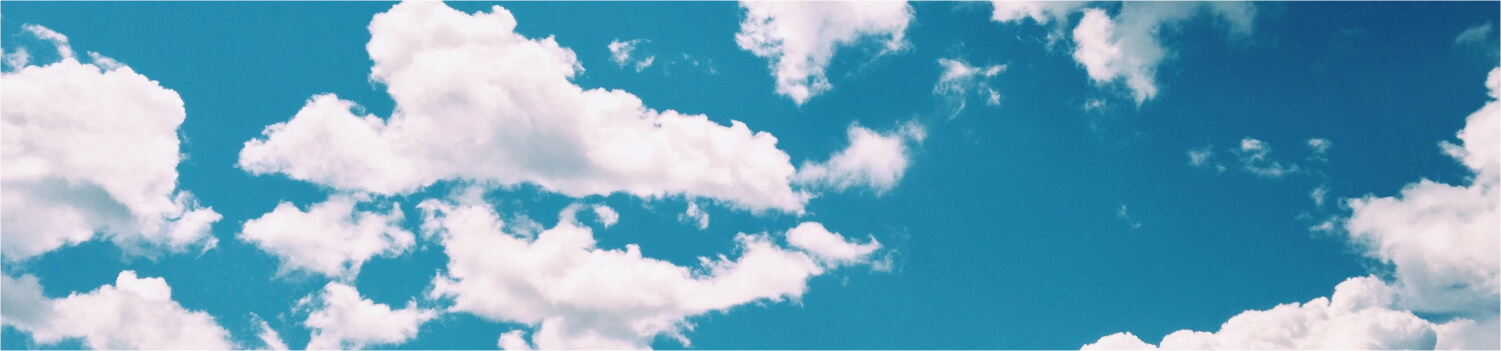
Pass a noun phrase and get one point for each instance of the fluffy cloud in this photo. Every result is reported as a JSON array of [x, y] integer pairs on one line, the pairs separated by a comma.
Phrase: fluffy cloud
[[1439, 240], [800, 38], [330, 238], [1356, 317], [828, 247], [873, 160], [1125, 49], [578, 296], [695, 215], [500, 108], [107, 164], [341, 319], [959, 79], [135, 313], [621, 52]]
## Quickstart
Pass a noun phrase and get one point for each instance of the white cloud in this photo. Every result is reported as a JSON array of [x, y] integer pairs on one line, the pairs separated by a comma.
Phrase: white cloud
[[1356, 317], [1042, 12], [513, 340], [621, 52], [1441, 238], [107, 164], [695, 215], [1255, 158], [1320, 149], [64, 50], [607, 215], [344, 320], [800, 38], [1125, 215], [1438, 239], [1127, 50], [500, 108], [1474, 35], [330, 238], [268, 336], [959, 79], [578, 296], [135, 313], [831, 249], [1200, 157], [1319, 194], [873, 160]]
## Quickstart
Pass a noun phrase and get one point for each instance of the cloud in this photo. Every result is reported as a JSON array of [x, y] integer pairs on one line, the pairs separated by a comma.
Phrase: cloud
[[268, 336], [1319, 148], [872, 160], [500, 109], [607, 215], [576, 295], [1441, 238], [1355, 318], [341, 319], [1474, 35], [830, 248], [1126, 49], [330, 238], [1040, 12], [1437, 239], [800, 38], [1125, 215], [959, 79], [1255, 158], [695, 215], [107, 165], [135, 313], [1200, 157], [58, 40], [621, 53]]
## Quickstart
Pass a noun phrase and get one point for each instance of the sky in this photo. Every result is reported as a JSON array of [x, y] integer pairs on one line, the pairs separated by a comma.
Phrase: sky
[[722, 175]]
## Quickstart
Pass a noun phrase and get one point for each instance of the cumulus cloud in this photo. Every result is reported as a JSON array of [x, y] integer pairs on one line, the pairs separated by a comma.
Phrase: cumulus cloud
[[106, 165], [1437, 239], [135, 313], [269, 337], [959, 79], [500, 108], [341, 319], [800, 38], [1255, 157], [330, 238], [577, 296], [624, 53], [830, 248], [1126, 49], [1356, 318], [872, 160], [1441, 238]]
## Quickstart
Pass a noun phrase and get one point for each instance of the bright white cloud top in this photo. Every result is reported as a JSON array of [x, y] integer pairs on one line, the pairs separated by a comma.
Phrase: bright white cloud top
[[135, 313], [800, 38], [578, 296], [70, 174], [511, 97]]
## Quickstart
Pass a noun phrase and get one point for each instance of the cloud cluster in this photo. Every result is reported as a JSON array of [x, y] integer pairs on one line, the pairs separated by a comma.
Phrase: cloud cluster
[[1124, 49], [1440, 241], [500, 108], [135, 313], [624, 53], [959, 79], [576, 295], [1255, 157], [800, 38], [106, 164]]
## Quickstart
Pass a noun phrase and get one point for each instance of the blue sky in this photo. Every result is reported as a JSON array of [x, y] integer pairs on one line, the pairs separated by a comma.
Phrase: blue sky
[[958, 176]]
